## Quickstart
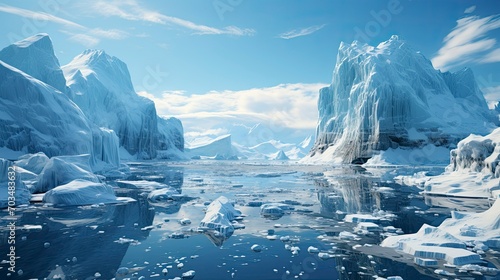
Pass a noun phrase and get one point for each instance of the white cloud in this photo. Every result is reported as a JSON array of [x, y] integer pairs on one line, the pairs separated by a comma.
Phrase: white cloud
[[468, 43], [83, 39], [492, 95], [292, 105], [301, 32], [469, 10], [131, 10]]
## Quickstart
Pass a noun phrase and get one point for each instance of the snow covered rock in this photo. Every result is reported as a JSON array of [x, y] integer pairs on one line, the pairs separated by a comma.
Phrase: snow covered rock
[[35, 56], [62, 170], [390, 96], [80, 192], [20, 191], [219, 215]]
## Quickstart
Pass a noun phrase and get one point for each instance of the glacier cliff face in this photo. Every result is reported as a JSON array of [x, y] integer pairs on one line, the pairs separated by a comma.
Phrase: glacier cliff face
[[101, 86], [34, 117], [390, 96]]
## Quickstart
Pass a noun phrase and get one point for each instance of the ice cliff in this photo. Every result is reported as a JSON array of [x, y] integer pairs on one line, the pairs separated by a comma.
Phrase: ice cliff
[[390, 96], [101, 86]]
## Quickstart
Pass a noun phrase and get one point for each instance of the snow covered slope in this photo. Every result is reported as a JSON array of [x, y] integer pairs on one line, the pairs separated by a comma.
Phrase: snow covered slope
[[101, 86], [35, 56], [390, 96]]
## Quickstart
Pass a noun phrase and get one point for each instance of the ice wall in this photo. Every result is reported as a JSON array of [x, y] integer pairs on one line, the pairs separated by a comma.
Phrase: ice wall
[[390, 96]]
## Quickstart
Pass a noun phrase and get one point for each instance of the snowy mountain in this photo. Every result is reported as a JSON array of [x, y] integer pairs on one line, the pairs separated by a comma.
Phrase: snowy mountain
[[35, 56], [252, 137], [101, 86], [390, 96]]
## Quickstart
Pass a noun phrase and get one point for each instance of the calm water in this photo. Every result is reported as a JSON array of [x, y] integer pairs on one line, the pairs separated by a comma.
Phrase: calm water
[[93, 242]]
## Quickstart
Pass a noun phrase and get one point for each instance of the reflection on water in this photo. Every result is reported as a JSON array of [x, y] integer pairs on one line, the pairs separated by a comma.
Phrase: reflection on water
[[78, 242], [75, 243]]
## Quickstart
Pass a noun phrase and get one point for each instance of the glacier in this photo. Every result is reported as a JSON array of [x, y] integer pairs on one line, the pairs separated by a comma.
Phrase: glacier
[[35, 56], [102, 107], [52, 123], [390, 96], [101, 86]]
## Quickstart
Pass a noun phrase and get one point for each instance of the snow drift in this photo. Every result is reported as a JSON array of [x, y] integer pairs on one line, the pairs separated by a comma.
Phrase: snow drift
[[390, 96]]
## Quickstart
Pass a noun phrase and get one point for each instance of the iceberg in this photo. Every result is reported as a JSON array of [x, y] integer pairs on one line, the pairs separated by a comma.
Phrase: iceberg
[[281, 156], [62, 170], [473, 170], [21, 193], [390, 96], [101, 86], [80, 192], [35, 56], [219, 216], [448, 240], [52, 124], [218, 148]]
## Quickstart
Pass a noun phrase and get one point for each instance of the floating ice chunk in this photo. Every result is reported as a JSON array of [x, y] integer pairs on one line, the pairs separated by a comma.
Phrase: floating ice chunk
[[256, 248], [188, 274], [180, 265], [274, 211], [426, 262], [219, 216], [64, 169], [324, 256], [122, 271], [80, 192], [312, 249], [394, 278], [359, 218]]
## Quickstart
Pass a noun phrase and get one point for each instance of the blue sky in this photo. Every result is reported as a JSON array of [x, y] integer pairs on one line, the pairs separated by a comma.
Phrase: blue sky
[[244, 50]]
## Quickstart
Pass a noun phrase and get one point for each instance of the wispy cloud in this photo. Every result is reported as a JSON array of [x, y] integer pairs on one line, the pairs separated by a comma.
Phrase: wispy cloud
[[131, 10], [468, 43], [293, 105], [301, 32], [469, 10], [41, 16], [88, 37]]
